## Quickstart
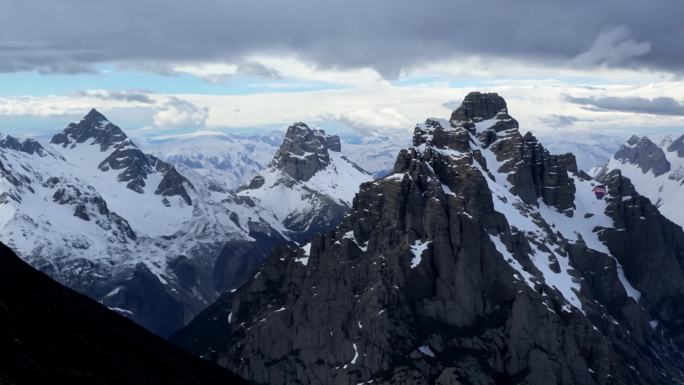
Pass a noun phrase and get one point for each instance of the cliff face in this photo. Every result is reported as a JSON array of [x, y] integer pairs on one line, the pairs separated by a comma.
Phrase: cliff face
[[655, 170], [482, 259]]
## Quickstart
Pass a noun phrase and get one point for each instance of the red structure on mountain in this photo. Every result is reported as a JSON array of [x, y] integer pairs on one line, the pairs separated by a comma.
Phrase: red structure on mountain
[[599, 191]]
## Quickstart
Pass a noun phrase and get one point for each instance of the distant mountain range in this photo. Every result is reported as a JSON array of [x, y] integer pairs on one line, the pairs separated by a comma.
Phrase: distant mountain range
[[127, 228], [229, 161]]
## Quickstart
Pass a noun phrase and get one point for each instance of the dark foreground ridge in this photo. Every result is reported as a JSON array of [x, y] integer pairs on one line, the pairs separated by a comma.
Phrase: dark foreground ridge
[[52, 335]]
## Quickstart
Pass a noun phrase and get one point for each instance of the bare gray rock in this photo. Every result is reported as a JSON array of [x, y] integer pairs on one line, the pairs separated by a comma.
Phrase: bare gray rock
[[645, 154], [430, 279]]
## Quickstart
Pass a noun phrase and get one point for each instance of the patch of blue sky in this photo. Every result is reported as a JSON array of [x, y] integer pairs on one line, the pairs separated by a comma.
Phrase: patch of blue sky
[[34, 126], [36, 84]]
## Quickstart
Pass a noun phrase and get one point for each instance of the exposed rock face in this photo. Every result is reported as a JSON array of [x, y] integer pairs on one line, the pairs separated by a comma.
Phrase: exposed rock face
[[478, 107], [308, 186], [651, 250], [677, 146], [534, 173], [304, 151], [460, 268], [644, 154], [28, 146], [94, 127], [656, 171], [52, 335], [135, 165]]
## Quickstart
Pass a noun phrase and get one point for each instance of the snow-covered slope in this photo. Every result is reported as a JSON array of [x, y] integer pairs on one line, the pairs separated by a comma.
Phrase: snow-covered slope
[[97, 213], [656, 170], [308, 186], [227, 161], [375, 154]]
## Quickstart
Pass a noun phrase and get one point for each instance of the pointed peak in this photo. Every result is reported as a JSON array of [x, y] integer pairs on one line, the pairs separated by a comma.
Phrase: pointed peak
[[94, 116], [94, 128], [634, 140]]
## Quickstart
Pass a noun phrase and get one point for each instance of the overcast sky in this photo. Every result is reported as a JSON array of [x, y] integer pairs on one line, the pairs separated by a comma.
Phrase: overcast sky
[[167, 66]]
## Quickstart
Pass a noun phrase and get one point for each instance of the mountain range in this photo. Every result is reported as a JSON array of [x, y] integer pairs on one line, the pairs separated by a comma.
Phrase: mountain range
[[481, 259], [476, 257], [96, 212]]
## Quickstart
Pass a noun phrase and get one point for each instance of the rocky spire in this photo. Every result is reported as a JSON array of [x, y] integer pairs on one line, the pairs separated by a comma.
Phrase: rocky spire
[[478, 107], [95, 128], [645, 154], [304, 151]]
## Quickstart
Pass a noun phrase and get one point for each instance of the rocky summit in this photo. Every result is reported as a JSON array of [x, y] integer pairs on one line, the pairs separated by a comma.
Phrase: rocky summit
[[308, 186], [133, 166], [305, 151], [482, 259]]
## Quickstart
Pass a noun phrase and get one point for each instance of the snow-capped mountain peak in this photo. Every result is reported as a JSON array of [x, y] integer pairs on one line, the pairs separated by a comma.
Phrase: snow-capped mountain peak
[[95, 128], [99, 146], [305, 151], [308, 186]]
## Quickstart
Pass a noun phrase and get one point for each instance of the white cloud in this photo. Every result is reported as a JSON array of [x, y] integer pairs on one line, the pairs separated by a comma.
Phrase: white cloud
[[179, 113], [376, 108], [212, 72]]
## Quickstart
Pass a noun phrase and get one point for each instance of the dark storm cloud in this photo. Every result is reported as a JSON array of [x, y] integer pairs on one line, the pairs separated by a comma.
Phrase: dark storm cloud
[[658, 106], [388, 35]]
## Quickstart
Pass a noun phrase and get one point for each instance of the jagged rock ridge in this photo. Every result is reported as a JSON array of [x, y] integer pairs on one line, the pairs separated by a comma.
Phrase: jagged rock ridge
[[482, 259], [97, 213]]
